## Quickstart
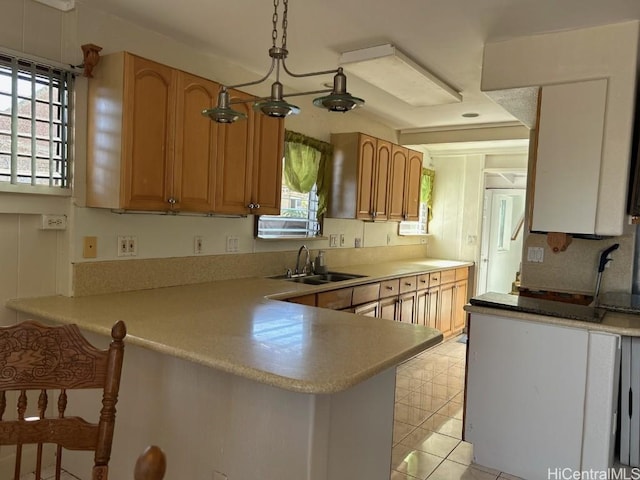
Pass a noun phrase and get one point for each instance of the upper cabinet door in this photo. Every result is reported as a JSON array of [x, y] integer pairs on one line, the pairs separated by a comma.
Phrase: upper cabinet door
[[397, 181], [235, 159], [381, 192], [148, 134], [412, 186], [568, 158], [268, 152], [195, 145], [367, 155]]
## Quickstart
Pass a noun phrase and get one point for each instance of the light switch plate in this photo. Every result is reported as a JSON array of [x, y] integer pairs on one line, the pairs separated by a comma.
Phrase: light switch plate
[[535, 254]]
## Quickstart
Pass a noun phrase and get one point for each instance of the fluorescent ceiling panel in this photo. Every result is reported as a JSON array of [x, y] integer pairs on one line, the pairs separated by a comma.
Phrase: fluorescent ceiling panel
[[392, 71], [63, 5]]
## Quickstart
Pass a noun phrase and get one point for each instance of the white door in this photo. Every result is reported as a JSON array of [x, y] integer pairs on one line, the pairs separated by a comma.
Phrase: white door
[[501, 245]]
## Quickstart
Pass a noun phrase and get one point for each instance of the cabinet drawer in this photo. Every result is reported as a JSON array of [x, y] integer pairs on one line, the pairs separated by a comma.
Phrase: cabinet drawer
[[462, 273], [447, 276], [408, 284], [423, 281], [389, 288], [365, 293], [335, 299], [435, 279]]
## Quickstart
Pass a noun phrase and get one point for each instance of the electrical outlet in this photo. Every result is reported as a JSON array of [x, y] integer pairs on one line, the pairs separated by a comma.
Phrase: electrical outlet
[[358, 242], [342, 239], [89, 247], [388, 238], [535, 254], [333, 240], [127, 246], [197, 245], [133, 246], [123, 246], [232, 244], [53, 222]]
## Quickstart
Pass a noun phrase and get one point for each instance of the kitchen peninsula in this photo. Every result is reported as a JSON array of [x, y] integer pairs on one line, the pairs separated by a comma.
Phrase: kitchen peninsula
[[553, 372], [227, 377]]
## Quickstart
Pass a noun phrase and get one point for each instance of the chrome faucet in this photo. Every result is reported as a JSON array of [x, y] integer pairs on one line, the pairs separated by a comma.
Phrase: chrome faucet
[[307, 262]]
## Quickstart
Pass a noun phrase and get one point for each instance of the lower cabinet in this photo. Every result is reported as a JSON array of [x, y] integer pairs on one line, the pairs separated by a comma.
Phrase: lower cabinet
[[427, 306], [371, 309], [407, 307], [435, 299]]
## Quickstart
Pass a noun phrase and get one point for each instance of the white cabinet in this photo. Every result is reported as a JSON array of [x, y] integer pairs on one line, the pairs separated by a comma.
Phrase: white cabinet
[[569, 158], [540, 396]]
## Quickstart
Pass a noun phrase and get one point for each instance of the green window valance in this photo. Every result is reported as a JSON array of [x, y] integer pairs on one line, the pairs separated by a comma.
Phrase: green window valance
[[307, 162]]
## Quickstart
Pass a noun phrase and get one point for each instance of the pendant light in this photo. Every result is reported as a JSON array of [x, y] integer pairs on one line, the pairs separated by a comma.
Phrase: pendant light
[[337, 100]]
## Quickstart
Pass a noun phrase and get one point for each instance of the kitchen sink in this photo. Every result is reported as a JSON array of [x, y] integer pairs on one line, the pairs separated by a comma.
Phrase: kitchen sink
[[319, 279]]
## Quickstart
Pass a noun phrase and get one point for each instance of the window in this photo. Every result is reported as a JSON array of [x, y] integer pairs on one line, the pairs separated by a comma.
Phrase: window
[[304, 190], [34, 128], [421, 227]]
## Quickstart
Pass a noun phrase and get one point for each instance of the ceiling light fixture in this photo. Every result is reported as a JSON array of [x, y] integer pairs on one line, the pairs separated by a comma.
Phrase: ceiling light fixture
[[337, 100], [387, 68]]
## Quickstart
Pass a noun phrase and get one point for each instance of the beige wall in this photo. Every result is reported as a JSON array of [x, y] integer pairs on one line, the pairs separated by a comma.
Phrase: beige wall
[[44, 265]]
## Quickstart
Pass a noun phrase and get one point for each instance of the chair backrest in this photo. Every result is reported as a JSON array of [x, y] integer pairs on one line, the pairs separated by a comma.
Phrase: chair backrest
[[35, 358], [151, 464]]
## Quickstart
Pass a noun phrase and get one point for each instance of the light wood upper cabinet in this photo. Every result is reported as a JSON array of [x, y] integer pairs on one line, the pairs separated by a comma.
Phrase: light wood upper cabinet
[[397, 181], [249, 169], [371, 179], [404, 184], [195, 145], [412, 186], [130, 133], [360, 177], [235, 151], [150, 149], [268, 151]]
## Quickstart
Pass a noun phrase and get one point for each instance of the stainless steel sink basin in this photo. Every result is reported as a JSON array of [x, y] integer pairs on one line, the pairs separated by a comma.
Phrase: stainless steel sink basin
[[319, 279]]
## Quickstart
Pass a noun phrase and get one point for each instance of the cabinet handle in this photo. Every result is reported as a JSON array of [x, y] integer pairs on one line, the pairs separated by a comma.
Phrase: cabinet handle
[[172, 201], [388, 287], [253, 206], [423, 281], [435, 279], [257, 206], [408, 284]]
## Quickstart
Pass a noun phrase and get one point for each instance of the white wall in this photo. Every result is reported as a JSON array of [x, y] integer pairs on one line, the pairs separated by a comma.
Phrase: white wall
[[455, 230], [44, 267]]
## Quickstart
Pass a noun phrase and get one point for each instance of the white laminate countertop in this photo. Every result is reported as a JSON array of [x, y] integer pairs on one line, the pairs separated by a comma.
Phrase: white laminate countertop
[[240, 327]]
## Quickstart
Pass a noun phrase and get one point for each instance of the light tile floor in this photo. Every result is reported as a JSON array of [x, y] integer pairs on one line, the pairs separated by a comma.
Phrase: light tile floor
[[49, 474], [427, 428]]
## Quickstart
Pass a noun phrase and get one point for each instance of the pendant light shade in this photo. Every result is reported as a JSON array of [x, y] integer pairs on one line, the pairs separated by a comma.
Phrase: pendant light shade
[[338, 100], [275, 106], [223, 113]]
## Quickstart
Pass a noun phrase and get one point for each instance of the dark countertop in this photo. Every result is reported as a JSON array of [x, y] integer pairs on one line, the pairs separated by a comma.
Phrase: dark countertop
[[540, 307], [556, 313]]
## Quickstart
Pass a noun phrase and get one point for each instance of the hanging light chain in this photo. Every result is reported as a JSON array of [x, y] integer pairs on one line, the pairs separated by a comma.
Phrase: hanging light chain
[[274, 33], [285, 23]]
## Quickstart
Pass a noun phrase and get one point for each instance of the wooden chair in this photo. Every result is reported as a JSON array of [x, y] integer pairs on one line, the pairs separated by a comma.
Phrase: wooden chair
[[35, 358], [151, 465]]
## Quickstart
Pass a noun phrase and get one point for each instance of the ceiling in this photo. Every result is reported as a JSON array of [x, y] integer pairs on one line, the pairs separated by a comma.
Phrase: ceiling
[[444, 36]]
